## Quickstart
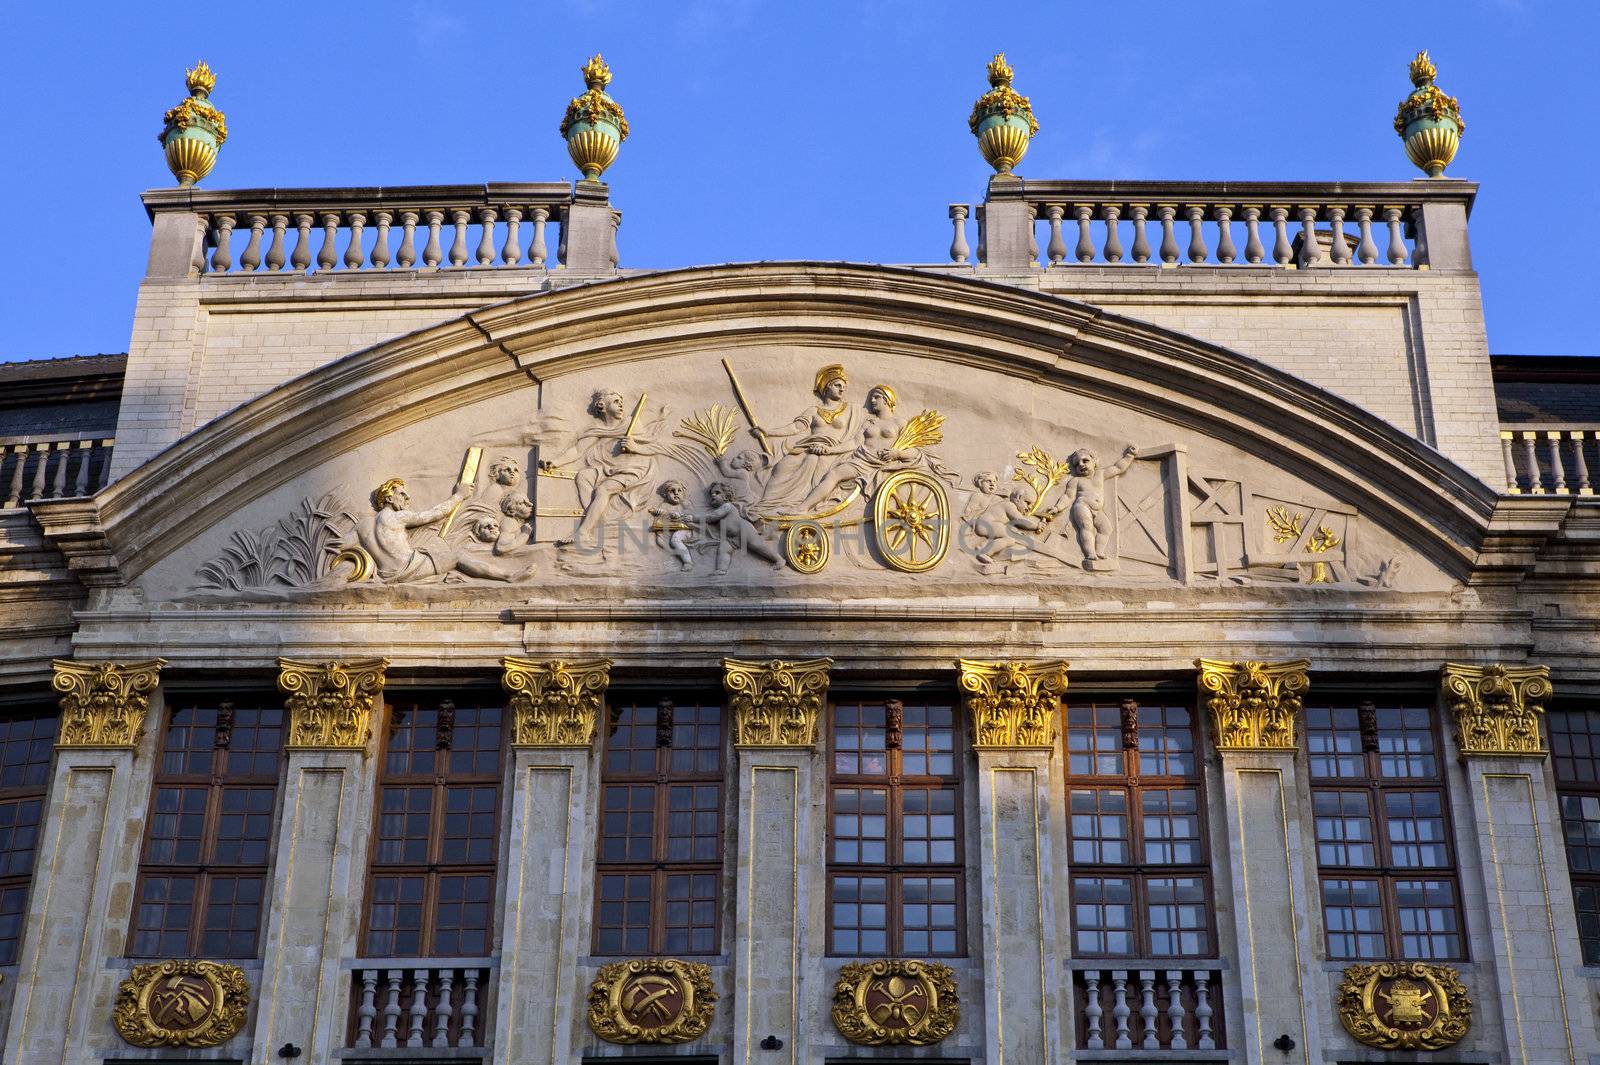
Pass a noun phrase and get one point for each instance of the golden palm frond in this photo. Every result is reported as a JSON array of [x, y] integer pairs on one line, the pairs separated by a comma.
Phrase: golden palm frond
[[1047, 473], [921, 431], [713, 429], [1285, 526]]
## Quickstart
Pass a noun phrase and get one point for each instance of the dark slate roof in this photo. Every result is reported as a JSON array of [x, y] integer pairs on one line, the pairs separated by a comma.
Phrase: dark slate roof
[[1547, 388], [50, 397]]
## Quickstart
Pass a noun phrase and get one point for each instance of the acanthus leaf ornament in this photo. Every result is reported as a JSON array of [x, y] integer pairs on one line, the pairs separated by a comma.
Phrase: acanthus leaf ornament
[[556, 703], [775, 703], [896, 1003], [1013, 704], [652, 1000], [103, 704], [181, 1004], [331, 704], [1254, 705], [1404, 1005], [1496, 709]]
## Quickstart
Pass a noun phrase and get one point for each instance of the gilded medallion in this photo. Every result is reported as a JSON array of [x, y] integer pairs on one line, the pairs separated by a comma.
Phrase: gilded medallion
[[895, 1003], [1404, 1005], [181, 1004], [653, 1000]]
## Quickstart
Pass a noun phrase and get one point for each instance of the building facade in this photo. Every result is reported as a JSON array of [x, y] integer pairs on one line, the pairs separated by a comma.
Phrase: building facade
[[1159, 634]]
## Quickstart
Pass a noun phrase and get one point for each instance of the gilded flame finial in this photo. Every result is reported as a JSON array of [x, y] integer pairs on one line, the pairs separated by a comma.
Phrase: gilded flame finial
[[1422, 70], [1428, 121], [1000, 72], [200, 80], [594, 126], [1002, 120], [194, 130], [596, 75]]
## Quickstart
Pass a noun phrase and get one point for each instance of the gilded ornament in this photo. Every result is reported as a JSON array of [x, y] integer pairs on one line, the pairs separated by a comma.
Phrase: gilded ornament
[[1002, 120], [1287, 528], [1254, 705], [1013, 704], [193, 131], [776, 704], [896, 1003], [181, 1004], [1496, 709], [911, 520], [806, 546], [103, 704], [652, 1000], [555, 704], [331, 704], [594, 126], [1404, 1005], [1428, 121]]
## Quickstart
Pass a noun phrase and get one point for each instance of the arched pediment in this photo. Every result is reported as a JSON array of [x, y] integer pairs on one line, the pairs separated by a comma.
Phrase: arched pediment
[[1212, 467]]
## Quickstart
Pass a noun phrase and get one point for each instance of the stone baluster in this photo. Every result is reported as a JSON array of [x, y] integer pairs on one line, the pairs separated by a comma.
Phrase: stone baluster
[[1397, 243], [380, 247], [1535, 479], [86, 450], [959, 252], [1202, 1011], [1033, 236], [1111, 214], [1119, 1009], [511, 250], [1091, 1011], [538, 253], [419, 1007], [1253, 250], [1310, 250], [41, 464], [251, 259], [469, 1010], [367, 1012], [458, 249], [432, 254], [611, 239], [1175, 1010], [391, 1012], [328, 254], [1340, 247], [1141, 243], [1169, 241], [275, 256], [1226, 252], [1085, 249], [1147, 1008], [1366, 247], [222, 254], [1512, 485], [301, 258], [19, 454], [354, 254], [407, 257], [441, 1009], [1558, 473], [1198, 252], [486, 220], [1282, 249], [1581, 463], [1419, 245], [1057, 248], [58, 481]]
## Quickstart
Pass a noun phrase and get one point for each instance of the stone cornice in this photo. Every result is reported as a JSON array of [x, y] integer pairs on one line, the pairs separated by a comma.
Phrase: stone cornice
[[74, 528]]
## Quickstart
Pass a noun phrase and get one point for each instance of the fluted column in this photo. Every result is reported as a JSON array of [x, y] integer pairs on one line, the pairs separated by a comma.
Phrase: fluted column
[[1517, 835], [86, 862], [1255, 713], [320, 858], [1012, 710], [554, 714]]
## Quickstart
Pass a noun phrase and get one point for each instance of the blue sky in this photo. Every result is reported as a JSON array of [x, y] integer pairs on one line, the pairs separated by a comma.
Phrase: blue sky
[[766, 130]]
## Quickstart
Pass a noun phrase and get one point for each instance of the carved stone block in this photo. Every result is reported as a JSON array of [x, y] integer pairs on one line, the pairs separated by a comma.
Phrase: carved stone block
[[1404, 1005], [652, 1000], [896, 1003]]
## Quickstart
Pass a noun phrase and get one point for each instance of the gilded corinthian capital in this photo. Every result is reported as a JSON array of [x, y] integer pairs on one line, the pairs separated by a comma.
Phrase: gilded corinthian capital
[[1496, 708], [331, 704], [103, 703], [555, 704], [1012, 704], [776, 704], [1254, 706]]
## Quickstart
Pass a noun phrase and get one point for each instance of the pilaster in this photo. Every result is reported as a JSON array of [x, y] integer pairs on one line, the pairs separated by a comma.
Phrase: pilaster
[[588, 230], [1005, 225]]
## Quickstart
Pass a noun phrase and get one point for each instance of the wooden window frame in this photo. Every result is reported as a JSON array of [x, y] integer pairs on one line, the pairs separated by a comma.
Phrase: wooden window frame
[[19, 795], [1581, 789], [895, 783], [1134, 785]]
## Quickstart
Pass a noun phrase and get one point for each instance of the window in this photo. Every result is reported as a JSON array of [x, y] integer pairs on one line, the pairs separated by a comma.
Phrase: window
[[431, 885], [1389, 887], [894, 845], [202, 882], [25, 743], [1575, 750], [660, 856], [1141, 882]]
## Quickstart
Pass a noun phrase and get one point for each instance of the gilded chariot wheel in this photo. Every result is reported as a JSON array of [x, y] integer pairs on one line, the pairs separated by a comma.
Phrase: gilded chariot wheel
[[911, 521], [806, 547]]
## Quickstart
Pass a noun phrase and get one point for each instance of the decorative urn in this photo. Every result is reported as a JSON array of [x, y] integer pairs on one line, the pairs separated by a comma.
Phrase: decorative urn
[[1002, 120], [593, 125], [194, 129], [1428, 121]]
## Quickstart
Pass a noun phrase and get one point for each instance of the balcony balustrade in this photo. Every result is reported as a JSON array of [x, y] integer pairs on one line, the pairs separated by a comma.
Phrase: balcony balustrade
[[52, 467], [1550, 459], [1155, 1009], [419, 1004]]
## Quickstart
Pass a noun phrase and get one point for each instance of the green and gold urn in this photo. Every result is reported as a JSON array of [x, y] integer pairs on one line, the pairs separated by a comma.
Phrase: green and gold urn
[[1002, 120], [194, 129], [1428, 121], [593, 125]]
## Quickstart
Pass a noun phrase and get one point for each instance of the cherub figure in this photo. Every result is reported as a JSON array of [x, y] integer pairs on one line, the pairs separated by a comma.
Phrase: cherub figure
[[986, 515], [399, 561], [731, 528], [1082, 498], [745, 473], [516, 534], [673, 524]]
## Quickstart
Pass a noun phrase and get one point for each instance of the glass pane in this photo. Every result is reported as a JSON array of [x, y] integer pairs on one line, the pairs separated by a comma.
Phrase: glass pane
[[1345, 834], [1416, 829], [1430, 922], [1099, 826], [1405, 743], [1171, 826], [1094, 741], [1333, 738], [1166, 741], [1352, 912], [860, 740], [1102, 916]]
